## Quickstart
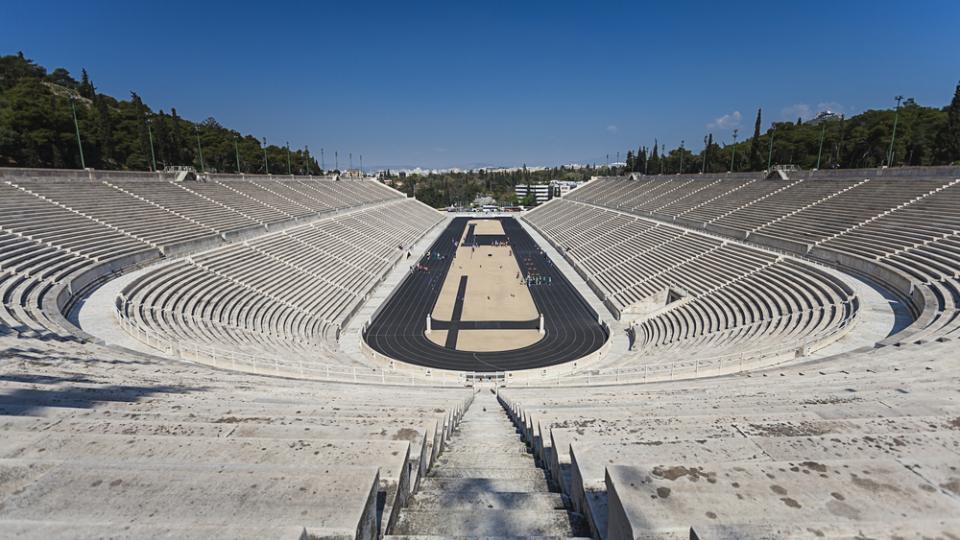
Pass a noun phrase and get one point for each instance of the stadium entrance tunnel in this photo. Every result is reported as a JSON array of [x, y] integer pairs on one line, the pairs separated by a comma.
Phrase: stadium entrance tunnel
[[485, 298]]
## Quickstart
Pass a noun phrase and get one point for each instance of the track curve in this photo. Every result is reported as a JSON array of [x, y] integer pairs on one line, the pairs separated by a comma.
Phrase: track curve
[[571, 326]]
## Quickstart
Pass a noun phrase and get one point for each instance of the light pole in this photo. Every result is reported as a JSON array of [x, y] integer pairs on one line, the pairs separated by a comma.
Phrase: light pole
[[306, 159], [733, 157], [199, 148], [76, 126], [823, 128], [893, 136], [336, 160], [773, 128], [351, 161], [266, 164], [323, 165], [706, 151], [236, 148], [289, 171], [361, 165], [681, 156], [153, 156]]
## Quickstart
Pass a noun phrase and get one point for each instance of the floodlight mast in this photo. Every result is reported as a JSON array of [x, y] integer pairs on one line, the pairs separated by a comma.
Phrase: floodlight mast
[[823, 128], [153, 156], [893, 136], [236, 148], [266, 164], [706, 149], [733, 157], [199, 148], [681, 156], [76, 126], [773, 128]]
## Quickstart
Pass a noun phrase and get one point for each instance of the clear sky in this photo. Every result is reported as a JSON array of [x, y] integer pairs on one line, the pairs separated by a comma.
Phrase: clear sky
[[459, 83]]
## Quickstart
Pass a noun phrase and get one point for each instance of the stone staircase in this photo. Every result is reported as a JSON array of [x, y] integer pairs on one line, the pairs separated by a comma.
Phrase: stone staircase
[[487, 484]]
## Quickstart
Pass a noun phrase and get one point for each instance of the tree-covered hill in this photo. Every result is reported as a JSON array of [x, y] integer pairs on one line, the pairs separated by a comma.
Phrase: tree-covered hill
[[924, 136], [37, 129]]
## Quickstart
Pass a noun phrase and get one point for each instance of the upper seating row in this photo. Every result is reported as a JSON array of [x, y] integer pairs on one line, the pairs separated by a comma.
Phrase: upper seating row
[[903, 232], [282, 293], [59, 235], [695, 294]]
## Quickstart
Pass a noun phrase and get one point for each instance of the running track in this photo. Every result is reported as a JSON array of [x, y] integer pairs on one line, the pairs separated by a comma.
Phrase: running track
[[572, 329]]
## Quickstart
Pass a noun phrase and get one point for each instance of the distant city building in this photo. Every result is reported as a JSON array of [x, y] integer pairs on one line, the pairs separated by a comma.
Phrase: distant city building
[[352, 174], [559, 188], [540, 192], [544, 192]]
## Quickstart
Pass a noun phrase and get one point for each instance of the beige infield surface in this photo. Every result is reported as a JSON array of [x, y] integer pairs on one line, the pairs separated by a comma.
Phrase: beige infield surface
[[494, 293]]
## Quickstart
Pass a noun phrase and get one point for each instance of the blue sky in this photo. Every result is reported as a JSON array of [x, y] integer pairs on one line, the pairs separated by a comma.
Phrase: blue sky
[[466, 83]]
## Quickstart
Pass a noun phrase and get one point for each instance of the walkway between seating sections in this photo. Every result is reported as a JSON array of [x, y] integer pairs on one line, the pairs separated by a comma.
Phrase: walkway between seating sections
[[486, 483]]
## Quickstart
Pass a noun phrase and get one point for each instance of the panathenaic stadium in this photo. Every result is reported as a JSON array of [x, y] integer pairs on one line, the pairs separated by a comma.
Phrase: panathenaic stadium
[[660, 357]]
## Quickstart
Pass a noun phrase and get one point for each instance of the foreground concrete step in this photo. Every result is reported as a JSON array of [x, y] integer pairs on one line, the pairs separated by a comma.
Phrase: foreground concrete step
[[523, 522], [72, 530], [478, 460], [402, 429], [391, 457], [338, 502], [464, 447], [482, 484], [844, 494], [450, 537], [502, 473], [945, 527], [461, 501]]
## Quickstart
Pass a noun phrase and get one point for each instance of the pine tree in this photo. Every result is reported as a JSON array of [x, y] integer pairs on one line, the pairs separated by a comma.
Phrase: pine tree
[[653, 164], [176, 137], [755, 163], [86, 88]]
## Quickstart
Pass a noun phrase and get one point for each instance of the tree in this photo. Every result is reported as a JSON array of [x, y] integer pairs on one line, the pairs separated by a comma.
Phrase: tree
[[952, 138], [86, 88], [62, 77], [177, 155], [139, 157], [755, 163], [104, 132]]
